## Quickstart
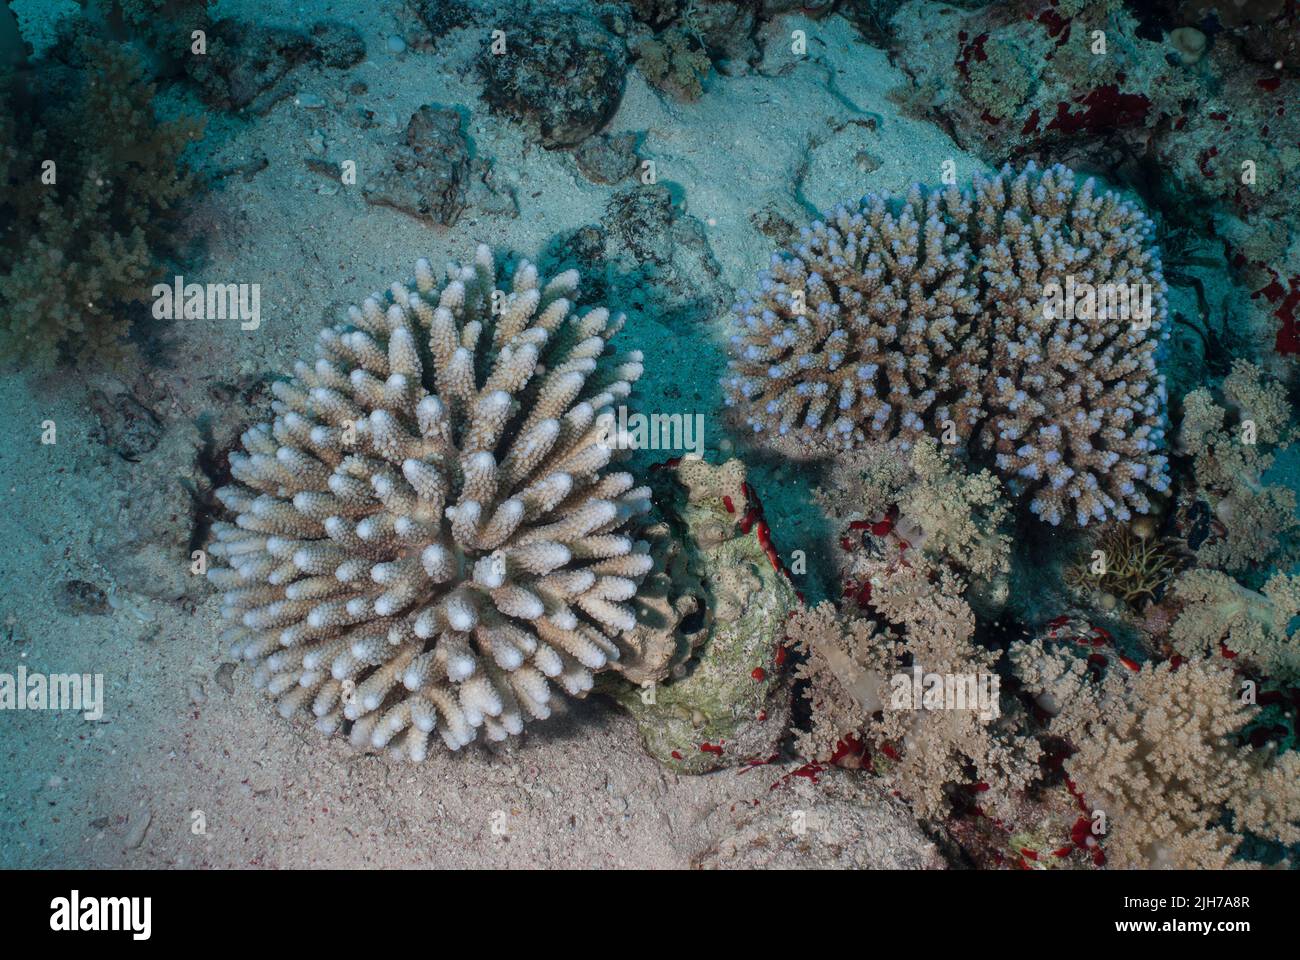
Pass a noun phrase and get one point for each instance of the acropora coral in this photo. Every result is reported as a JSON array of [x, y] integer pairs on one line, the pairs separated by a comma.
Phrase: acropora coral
[[945, 312], [427, 536]]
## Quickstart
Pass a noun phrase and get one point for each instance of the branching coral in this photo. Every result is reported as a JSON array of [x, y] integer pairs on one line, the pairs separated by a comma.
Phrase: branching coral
[[1153, 751], [1132, 569], [86, 234], [1023, 316], [1220, 615], [426, 535], [866, 329], [1231, 446]]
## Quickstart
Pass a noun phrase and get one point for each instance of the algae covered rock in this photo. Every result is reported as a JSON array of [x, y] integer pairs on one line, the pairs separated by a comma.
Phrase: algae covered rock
[[560, 75], [815, 817], [607, 158], [675, 63], [427, 177], [724, 697]]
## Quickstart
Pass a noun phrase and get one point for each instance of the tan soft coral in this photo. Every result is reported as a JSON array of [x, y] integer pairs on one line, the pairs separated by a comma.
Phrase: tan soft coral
[[1232, 445], [941, 748], [859, 671], [960, 514], [845, 670], [942, 513], [675, 63], [79, 248], [864, 483], [1220, 614], [1154, 752]]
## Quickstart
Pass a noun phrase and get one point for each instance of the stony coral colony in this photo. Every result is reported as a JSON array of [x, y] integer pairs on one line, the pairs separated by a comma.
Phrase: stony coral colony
[[943, 312], [428, 534]]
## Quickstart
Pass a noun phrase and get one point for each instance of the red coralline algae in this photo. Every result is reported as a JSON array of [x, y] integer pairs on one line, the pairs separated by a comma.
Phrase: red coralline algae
[[1106, 109], [970, 51], [1203, 161], [1287, 300], [1057, 25], [809, 771]]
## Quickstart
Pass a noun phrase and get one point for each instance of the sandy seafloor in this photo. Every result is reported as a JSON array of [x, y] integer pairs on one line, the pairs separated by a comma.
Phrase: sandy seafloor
[[178, 735]]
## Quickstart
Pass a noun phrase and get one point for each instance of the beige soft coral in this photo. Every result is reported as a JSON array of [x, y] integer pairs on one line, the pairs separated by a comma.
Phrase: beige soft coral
[[1155, 760]]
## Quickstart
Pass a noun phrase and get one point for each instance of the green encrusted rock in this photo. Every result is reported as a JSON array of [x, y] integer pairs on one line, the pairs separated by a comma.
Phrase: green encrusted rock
[[727, 701]]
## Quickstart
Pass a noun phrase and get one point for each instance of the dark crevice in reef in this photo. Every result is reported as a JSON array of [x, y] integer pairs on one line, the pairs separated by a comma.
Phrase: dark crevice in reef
[[214, 464]]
